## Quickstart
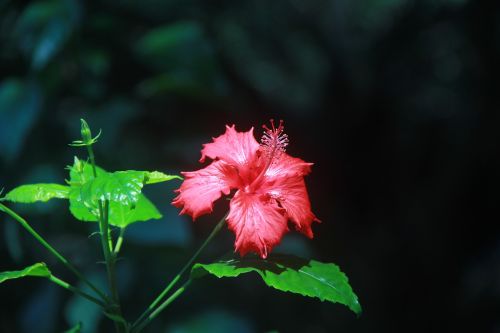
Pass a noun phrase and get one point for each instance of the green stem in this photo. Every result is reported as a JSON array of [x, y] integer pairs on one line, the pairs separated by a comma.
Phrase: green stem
[[110, 261], [104, 242], [119, 241], [162, 306], [103, 211], [182, 271], [107, 231], [92, 159], [112, 257], [107, 246], [77, 291], [51, 249]]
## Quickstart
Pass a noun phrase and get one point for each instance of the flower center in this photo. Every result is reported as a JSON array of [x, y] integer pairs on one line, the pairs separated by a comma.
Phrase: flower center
[[274, 140], [273, 143]]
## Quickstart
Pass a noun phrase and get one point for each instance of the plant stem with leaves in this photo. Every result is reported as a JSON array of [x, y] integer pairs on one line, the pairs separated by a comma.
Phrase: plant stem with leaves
[[52, 250], [106, 241], [141, 321], [77, 291], [162, 306]]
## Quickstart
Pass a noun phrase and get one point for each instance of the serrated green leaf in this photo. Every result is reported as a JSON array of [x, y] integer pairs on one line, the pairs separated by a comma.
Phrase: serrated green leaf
[[158, 177], [86, 191], [38, 269], [289, 273], [75, 329], [37, 192]]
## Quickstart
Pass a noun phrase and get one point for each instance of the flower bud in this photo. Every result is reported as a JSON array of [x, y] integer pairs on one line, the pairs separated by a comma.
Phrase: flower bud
[[86, 133]]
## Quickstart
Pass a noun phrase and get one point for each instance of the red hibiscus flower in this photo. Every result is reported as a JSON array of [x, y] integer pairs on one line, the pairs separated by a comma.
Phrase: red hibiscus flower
[[269, 183]]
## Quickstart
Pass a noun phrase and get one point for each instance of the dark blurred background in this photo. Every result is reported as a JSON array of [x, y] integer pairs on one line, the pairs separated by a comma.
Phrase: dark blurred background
[[395, 101]]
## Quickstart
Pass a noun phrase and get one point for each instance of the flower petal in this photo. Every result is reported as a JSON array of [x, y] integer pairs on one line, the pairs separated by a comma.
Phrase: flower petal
[[202, 187], [259, 223], [285, 164], [235, 148], [291, 194]]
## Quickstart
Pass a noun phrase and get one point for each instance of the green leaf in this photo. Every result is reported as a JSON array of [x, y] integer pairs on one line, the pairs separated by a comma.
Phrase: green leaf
[[77, 208], [289, 273], [75, 329], [38, 269], [119, 215], [122, 188], [81, 172], [158, 177], [37, 192], [144, 210]]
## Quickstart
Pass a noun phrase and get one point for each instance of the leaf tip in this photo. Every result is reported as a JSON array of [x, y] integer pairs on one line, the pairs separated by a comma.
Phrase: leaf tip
[[358, 310]]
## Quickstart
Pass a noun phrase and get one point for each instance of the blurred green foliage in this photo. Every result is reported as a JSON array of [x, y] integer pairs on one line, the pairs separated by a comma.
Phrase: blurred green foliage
[[42, 29], [20, 103]]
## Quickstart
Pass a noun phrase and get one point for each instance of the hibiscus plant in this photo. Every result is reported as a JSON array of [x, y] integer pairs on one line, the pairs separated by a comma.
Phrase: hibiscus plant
[[267, 191]]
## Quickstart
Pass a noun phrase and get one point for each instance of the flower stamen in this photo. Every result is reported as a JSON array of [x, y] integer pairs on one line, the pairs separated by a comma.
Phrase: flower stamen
[[273, 143], [274, 140]]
